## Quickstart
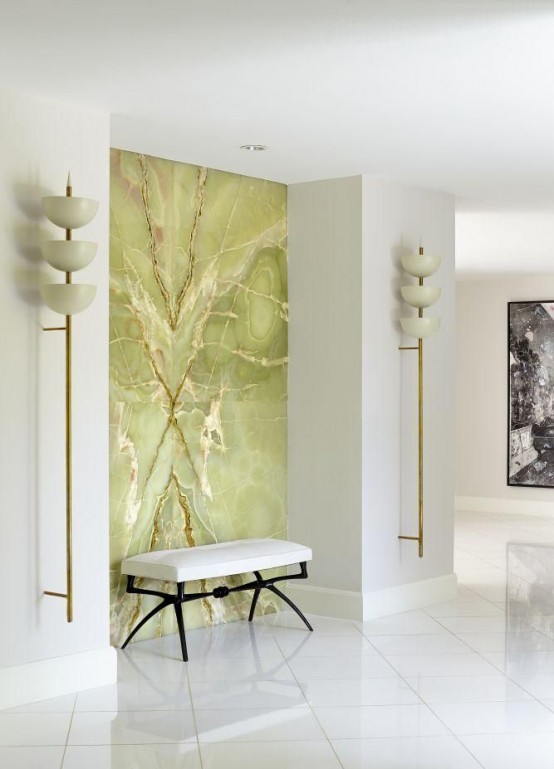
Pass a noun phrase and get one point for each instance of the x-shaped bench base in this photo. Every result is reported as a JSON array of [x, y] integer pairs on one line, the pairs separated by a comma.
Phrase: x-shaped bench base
[[178, 599]]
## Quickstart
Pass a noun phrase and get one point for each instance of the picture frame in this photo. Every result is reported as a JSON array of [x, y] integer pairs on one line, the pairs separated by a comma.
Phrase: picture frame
[[530, 428]]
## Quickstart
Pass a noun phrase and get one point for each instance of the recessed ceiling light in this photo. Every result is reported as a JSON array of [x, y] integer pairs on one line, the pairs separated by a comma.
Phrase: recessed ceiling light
[[253, 147]]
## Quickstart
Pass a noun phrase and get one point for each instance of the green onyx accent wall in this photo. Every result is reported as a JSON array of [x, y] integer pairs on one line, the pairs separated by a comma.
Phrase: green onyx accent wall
[[198, 370]]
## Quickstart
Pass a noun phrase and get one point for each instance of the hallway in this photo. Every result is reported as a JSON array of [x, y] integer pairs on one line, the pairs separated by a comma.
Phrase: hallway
[[460, 685]]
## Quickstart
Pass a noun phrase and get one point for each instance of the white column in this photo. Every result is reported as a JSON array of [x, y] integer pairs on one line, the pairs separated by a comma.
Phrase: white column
[[353, 398], [41, 655]]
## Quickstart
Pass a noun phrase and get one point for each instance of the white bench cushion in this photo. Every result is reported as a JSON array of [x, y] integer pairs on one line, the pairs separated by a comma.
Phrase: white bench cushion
[[222, 559]]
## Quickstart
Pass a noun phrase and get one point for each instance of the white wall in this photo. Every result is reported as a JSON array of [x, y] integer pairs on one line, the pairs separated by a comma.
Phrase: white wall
[[353, 397], [40, 141], [481, 394], [490, 242], [324, 419]]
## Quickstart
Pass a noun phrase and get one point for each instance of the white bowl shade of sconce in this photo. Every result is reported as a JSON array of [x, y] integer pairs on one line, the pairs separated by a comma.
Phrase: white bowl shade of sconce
[[420, 328], [420, 296], [69, 212], [420, 265], [68, 255], [68, 298]]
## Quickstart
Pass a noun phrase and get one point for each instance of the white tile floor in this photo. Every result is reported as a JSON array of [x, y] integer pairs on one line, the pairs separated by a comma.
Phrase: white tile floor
[[462, 685]]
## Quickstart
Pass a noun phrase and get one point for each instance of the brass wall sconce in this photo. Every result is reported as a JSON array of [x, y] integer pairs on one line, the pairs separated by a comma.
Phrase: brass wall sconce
[[420, 266], [67, 299]]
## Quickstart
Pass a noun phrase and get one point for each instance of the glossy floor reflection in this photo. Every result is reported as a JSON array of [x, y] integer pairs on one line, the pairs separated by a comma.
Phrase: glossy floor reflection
[[460, 685]]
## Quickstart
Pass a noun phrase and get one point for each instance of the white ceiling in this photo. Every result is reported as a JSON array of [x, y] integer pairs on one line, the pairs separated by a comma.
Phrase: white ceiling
[[454, 95]]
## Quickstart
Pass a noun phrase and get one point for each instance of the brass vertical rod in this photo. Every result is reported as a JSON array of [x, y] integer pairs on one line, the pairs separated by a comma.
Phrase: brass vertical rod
[[420, 429], [420, 442], [419, 348], [68, 470], [68, 595], [68, 447]]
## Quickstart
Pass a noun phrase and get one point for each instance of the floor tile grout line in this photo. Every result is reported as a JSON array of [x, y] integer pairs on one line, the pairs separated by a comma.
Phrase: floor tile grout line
[[505, 633], [69, 730], [195, 724], [118, 744], [427, 705], [328, 739], [285, 661], [505, 674], [134, 710], [19, 745], [422, 701], [438, 654], [478, 595], [465, 615]]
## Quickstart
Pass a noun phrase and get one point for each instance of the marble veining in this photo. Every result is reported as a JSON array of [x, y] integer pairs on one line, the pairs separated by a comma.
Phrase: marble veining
[[198, 369]]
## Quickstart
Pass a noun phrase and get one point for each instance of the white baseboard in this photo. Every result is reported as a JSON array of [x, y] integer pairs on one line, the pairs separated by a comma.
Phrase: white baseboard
[[509, 506], [327, 601], [54, 677], [347, 604], [414, 595]]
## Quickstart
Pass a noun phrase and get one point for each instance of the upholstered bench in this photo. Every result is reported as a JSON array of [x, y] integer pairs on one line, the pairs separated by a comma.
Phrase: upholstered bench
[[223, 559]]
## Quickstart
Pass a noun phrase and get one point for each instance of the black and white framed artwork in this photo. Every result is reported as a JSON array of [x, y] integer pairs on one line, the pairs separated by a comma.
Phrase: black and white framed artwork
[[531, 394]]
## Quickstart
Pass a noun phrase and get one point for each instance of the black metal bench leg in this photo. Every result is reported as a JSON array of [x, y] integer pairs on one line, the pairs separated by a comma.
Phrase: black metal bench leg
[[144, 620], [291, 604], [178, 606], [255, 597]]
